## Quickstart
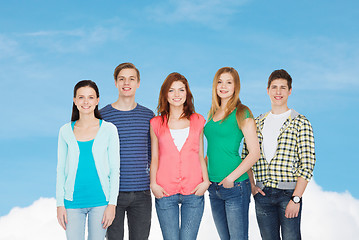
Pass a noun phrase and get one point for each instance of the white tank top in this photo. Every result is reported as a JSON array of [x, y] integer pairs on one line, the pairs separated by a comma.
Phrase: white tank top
[[179, 137]]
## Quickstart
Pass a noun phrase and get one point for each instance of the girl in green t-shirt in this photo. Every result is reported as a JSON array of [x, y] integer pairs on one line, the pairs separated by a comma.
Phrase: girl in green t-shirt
[[228, 122]]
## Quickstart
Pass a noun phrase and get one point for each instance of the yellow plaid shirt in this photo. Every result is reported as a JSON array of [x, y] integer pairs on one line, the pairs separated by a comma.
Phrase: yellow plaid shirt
[[294, 157]]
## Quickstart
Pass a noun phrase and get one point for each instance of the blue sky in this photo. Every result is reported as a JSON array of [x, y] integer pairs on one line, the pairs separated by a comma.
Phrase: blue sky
[[46, 47]]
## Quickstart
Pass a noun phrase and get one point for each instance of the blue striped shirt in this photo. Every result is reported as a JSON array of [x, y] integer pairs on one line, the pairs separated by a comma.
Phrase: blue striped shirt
[[135, 145]]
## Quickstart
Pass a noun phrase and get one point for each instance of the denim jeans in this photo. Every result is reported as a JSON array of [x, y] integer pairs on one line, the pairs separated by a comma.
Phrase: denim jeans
[[168, 212], [138, 206], [270, 211], [76, 220], [230, 209]]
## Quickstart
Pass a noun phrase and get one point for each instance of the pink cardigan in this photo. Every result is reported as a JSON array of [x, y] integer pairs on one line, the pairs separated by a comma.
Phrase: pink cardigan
[[178, 171]]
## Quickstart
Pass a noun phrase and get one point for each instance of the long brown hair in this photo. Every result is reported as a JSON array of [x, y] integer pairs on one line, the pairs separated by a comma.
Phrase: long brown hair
[[234, 101], [163, 108]]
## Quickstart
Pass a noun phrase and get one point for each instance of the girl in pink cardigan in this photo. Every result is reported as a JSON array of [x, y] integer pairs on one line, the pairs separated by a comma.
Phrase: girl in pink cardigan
[[178, 171]]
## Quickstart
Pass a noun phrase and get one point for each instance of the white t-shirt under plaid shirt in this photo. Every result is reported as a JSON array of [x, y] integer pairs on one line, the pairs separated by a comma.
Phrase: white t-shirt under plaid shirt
[[271, 129]]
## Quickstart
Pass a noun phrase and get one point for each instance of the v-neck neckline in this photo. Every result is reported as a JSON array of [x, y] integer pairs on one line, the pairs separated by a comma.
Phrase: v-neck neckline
[[170, 135]]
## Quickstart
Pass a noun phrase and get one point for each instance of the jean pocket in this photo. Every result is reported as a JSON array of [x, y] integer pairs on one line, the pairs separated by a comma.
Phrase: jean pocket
[[147, 192]]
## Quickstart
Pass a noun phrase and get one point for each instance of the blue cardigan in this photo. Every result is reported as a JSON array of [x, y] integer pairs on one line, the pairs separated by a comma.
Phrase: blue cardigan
[[106, 153]]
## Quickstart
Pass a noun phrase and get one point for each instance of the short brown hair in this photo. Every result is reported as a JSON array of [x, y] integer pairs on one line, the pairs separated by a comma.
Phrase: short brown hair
[[125, 66], [277, 74], [163, 108]]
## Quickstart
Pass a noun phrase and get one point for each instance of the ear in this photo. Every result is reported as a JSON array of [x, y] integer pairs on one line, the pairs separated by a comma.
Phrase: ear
[[290, 92], [74, 99], [268, 91], [98, 100], [138, 84]]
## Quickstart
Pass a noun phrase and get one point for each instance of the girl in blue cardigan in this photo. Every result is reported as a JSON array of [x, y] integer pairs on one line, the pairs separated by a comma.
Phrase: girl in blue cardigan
[[88, 168]]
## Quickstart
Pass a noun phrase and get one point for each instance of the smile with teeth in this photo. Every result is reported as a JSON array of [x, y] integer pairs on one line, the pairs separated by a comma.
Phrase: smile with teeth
[[223, 91], [278, 97], [176, 99], [85, 107], [126, 89]]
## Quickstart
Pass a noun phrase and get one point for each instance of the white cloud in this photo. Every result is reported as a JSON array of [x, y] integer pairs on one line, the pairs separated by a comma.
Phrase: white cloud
[[213, 13], [326, 215]]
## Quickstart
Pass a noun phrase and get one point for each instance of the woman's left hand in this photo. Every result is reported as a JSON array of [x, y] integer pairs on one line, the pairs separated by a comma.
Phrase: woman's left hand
[[201, 188], [108, 216]]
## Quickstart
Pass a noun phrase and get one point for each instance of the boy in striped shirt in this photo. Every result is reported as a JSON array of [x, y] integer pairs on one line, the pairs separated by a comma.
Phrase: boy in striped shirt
[[133, 123]]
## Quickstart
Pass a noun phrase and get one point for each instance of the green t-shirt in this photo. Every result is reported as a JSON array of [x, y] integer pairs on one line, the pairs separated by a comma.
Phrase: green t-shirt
[[223, 141]]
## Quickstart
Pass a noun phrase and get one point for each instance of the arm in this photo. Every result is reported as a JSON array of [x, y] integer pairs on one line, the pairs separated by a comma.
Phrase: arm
[[157, 190], [203, 186], [60, 180], [254, 188], [306, 154], [250, 134], [292, 209], [114, 164]]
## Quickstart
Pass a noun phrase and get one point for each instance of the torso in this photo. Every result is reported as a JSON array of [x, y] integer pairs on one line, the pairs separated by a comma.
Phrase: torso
[[223, 138]]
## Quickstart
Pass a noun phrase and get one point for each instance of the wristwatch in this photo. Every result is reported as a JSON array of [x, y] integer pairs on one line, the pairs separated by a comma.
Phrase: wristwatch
[[296, 199]]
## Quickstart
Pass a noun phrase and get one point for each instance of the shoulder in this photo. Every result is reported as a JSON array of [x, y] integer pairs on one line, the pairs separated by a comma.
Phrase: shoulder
[[144, 110], [301, 120], [198, 118], [106, 108], [262, 116], [108, 125], [156, 120], [65, 127]]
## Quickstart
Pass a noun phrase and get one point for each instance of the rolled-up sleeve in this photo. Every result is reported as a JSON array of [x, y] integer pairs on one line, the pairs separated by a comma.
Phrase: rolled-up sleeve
[[306, 151]]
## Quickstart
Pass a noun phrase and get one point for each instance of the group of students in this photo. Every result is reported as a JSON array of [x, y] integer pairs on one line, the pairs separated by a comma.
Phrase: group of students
[[110, 160]]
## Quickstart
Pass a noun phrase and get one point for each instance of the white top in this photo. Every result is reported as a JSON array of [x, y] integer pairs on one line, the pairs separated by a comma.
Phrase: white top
[[271, 130], [179, 137]]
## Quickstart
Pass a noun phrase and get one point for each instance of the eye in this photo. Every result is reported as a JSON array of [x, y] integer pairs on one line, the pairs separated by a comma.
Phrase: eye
[[171, 90], [219, 81], [182, 90], [120, 79], [133, 79], [229, 82], [81, 97]]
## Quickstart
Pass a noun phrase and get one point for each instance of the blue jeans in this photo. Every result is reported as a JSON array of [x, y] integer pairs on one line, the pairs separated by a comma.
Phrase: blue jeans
[[270, 211], [168, 212], [138, 206], [230, 209], [76, 220]]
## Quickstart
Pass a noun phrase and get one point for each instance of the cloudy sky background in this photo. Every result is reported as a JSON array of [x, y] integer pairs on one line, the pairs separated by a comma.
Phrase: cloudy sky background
[[46, 47]]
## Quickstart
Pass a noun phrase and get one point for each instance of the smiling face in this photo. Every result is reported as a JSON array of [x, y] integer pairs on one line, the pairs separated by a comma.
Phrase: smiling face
[[225, 86], [86, 100], [127, 82], [279, 92], [177, 94]]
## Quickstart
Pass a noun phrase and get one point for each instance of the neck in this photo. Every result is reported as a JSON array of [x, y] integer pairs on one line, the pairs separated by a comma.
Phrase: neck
[[176, 112], [223, 105], [125, 103], [279, 109], [87, 119]]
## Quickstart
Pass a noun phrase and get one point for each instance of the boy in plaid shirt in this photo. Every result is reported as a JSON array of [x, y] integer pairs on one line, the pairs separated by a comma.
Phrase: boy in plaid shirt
[[286, 163]]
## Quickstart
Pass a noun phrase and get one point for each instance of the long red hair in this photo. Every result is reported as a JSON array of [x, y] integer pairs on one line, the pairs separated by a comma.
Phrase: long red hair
[[163, 108]]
